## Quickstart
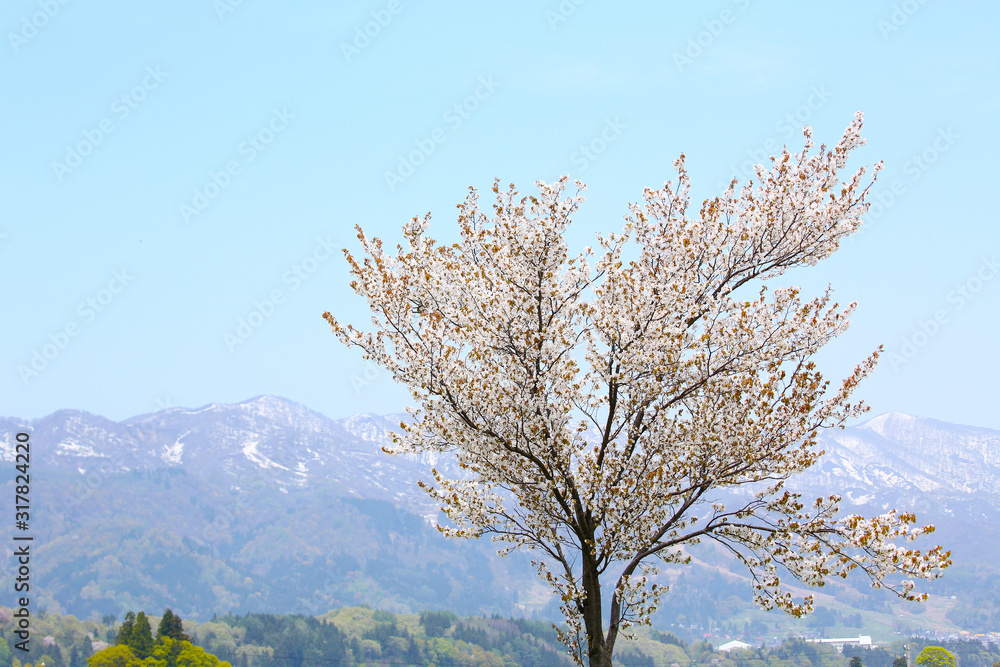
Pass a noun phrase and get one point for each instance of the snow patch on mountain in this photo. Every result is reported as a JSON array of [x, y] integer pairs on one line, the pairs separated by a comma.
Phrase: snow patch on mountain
[[172, 454], [251, 451], [74, 448]]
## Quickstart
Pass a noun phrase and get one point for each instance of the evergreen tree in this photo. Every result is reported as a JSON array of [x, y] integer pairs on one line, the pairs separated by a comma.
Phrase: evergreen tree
[[356, 649], [124, 635], [856, 661], [413, 656], [171, 626], [141, 641], [88, 648], [900, 661], [436, 622]]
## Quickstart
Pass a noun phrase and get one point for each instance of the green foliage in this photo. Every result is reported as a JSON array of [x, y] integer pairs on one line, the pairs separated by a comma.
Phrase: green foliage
[[935, 656], [869, 656], [179, 653], [265, 640], [167, 653], [799, 652], [856, 661], [119, 655], [171, 626], [383, 616], [436, 623], [899, 661], [822, 618], [667, 638], [124, 635], [354, 635], [141, 639], [135, 646]]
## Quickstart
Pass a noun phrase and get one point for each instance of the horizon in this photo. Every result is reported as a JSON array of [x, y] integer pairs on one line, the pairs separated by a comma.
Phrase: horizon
[[200, 408]]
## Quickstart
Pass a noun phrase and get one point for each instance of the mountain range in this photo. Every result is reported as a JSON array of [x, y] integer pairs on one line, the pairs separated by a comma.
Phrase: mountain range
[[268, 506]]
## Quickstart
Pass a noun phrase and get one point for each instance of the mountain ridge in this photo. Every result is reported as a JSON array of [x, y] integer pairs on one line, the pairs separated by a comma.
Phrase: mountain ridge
[[900, 450], [267, 490]]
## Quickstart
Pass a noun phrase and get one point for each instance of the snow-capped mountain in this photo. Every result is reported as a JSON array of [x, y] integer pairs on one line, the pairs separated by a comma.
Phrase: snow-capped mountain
[[890, 458], [266, 498], [264, 440], [908, 462]]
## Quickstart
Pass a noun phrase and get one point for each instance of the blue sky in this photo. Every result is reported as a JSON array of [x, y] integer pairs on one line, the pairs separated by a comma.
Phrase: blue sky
[[168, 170]]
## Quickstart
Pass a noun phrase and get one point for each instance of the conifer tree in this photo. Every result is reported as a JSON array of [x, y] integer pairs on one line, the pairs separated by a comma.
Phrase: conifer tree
[[124, 635], [141, 641], [171, 626]]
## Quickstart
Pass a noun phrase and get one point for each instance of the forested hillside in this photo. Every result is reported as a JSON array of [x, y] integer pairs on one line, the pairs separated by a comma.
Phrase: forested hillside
[[364, 636]]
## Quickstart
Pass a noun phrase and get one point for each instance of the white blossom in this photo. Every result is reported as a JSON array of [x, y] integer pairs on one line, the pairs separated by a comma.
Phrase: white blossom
[[597, 403]]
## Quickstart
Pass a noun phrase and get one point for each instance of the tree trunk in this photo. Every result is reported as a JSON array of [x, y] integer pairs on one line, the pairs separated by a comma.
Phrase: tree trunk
[[599, 650]]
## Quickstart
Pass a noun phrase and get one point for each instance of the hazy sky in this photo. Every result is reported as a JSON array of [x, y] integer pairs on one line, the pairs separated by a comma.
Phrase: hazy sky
[[170, 170]]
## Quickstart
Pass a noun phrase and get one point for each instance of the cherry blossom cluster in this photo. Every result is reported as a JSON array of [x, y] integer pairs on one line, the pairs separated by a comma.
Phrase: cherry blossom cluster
[[599, 405]]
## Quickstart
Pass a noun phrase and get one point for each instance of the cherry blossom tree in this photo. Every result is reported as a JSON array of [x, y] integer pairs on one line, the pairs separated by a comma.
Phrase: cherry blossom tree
[[601, 406]]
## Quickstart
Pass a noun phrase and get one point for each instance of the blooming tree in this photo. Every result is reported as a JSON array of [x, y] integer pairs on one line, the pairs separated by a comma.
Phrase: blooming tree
[[599, 406]]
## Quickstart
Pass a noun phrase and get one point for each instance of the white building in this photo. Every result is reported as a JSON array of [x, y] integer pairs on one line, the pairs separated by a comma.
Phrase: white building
[[841, 642], [734, 645]]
